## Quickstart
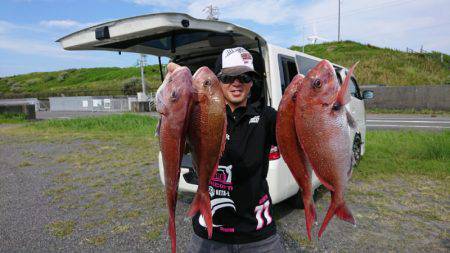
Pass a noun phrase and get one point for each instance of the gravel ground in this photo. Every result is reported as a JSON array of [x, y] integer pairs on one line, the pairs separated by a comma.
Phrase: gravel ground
[[82, 194]]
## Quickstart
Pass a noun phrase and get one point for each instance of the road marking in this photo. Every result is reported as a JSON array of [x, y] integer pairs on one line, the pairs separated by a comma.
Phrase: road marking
[[406, 126], [401, 118], [408, 121]]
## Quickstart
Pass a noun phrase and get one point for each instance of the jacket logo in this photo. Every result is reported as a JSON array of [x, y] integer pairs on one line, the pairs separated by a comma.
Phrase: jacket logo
[[254, 120]]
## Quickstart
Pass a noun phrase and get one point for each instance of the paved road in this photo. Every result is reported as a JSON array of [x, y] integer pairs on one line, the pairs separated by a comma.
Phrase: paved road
[[407, 121], [374, 121]]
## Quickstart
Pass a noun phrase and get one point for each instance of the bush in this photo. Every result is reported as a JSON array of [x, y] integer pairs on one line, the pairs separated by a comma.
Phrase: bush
[[48, 78], [63, 76], [132, 86], [16, 87]]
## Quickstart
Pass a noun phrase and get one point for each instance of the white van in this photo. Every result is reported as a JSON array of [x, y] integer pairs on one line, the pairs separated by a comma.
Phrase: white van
[[196, 42]]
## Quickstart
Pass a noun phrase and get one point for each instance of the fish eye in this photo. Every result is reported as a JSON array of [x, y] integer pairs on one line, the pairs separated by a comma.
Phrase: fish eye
[[173, 95], [207, 83], [317, 83]]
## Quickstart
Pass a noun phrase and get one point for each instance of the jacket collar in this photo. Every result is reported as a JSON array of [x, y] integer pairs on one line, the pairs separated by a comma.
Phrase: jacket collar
[[250, 110]]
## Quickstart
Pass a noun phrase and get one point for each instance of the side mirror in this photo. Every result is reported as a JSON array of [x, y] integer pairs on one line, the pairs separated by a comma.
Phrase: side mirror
[[367, 94]]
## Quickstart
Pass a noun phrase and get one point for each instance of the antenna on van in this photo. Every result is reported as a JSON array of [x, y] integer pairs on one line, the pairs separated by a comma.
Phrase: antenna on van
[[212, 12]]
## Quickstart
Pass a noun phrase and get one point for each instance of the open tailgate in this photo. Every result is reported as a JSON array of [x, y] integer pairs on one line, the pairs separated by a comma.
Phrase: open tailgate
[[162, 34]]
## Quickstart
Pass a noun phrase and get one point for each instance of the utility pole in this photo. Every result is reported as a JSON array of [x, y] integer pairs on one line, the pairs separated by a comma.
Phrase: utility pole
[[212, 12], [339, 21], [303, 38], [142, 62]]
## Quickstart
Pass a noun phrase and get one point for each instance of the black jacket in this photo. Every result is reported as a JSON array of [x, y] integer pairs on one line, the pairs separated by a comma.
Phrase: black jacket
[[240, 200]]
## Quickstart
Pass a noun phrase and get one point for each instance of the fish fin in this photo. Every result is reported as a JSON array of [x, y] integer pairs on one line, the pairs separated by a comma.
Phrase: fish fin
[[343, 96], [310, 215], [341, 211], [172, 194], [158, 127], [351, 121], [202, 204], [199, 96]]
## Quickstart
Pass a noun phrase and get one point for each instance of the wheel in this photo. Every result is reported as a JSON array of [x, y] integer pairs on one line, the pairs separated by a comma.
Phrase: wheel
[[356, 150]]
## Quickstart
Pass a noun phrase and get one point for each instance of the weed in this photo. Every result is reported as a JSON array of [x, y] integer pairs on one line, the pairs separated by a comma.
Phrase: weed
[[61, 228], [96, 240], [120, 229]]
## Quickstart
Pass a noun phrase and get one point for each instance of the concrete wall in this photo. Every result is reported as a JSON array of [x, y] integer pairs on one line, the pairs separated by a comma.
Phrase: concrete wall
[[434, 97], [88, 103]]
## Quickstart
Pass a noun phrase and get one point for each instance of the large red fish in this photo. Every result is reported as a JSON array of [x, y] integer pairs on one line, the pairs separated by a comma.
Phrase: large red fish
[[206, 137], [173, 102], [322, 126], [292, 151]]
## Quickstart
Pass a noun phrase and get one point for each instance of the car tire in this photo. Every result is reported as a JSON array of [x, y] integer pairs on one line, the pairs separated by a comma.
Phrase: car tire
[[356, 150], [296, 200]]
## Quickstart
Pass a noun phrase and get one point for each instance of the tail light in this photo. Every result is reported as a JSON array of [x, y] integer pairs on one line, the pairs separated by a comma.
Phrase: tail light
[[274, 153]]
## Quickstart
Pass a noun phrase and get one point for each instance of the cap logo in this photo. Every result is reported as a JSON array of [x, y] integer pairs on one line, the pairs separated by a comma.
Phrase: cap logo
[[246, 57], [237, 57]]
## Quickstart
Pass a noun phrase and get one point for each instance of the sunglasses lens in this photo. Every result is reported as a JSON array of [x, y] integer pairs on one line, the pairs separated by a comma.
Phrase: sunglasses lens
[[225, 79], [244, 78]]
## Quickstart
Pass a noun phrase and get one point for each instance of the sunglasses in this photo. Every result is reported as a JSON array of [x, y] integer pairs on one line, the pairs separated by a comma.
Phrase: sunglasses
[[243, 78]]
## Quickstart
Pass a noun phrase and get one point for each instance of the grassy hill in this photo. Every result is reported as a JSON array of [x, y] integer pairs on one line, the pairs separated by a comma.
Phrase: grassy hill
[[377, 66], [71, 82], [384, 65]]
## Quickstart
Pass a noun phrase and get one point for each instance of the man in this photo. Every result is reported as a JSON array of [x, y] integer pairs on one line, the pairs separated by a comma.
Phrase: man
[[240, 200]]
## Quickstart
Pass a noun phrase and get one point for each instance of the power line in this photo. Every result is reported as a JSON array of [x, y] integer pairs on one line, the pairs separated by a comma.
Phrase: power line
[[332, 17], [407, 30]]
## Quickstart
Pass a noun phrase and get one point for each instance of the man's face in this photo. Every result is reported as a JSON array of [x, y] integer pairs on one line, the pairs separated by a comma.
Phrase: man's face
[[236, 92]]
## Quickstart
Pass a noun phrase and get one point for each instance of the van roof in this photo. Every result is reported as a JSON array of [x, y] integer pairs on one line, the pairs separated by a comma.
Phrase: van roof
[[162, 34]]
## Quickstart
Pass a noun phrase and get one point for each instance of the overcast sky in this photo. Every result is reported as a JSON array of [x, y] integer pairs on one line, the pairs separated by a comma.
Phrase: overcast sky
[[29, 28]]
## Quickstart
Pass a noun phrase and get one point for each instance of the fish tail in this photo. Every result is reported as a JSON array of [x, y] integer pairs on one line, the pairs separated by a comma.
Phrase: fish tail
[[341, 211], [172, 232], [202, 204], [171, 204], [310, 214]]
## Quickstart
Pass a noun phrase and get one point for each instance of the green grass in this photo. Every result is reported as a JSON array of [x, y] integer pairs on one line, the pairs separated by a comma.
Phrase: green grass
[[124, 124], [384, 65], [416, 153], [93, 81], [12, 118], [406, 111]]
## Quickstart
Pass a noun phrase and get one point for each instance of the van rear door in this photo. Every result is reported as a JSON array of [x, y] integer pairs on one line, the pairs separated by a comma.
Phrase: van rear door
[[162, 34]]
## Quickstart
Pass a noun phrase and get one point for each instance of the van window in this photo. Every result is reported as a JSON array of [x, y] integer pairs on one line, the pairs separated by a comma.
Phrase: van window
[[354, 90], [288, 70]]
